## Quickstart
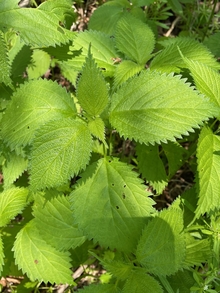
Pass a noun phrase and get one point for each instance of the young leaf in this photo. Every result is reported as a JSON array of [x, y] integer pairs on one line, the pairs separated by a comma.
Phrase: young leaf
[[124, 71], [207, 80], [5, 69], [169, 59], [32, 105], [151, 166], [104, 57], [92, 91], [119, 269], [208, 178], [161, 249], [1, 255], [39, 260], [12, 202], [13, 169], [36, 27], [134, 39], [97, 128], [58, 230], [119, 203], [61, 149], [153, 108], [139, 281]]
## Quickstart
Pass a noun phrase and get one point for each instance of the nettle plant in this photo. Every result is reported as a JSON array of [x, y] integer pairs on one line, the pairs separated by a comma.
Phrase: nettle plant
[[68, 197]]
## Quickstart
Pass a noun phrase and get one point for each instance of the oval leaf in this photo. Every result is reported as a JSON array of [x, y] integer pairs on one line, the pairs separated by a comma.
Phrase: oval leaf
[[153, 108]]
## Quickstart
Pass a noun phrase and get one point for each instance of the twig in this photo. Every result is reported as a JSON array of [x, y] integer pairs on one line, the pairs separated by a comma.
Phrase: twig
[[167, 34]]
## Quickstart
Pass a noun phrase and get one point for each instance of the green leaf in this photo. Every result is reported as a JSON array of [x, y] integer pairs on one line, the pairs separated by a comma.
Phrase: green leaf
[[153, 108], [1, 255], [61, 149], [97, 128], [207, 80], [124, 71], [5, 70], [62, 9], [36, 27], [92, 91], [39, 65], [100, 288], [32, 105], [182, 281], [213, 44], [69, 72], [63, 52], [208, 178], [19, 62], [151, 166], [119, 202], [13, 169], [139, 282], [142, 2], [174, 162], [12, 202], [105, 18], [197, 251], [119, 269], [58, 230], [134, 39], [169, 59], [39, 260], [161, 249], [104, 57]]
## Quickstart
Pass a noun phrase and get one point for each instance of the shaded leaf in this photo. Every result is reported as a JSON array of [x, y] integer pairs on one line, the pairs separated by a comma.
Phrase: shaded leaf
[[1, 255], [110, 13], [5, 70], [119, 203], [161, 249], [151, 166]]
